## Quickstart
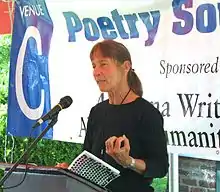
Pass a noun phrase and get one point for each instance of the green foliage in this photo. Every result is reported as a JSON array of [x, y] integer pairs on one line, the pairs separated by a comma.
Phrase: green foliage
[[160, 185], [5, 43], [47, 152]]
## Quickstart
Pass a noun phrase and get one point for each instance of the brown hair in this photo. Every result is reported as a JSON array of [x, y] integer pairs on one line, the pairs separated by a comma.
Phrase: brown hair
[[119, 53]]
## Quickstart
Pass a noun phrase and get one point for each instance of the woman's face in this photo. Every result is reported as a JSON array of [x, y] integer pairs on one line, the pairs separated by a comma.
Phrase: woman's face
[[107, 72]]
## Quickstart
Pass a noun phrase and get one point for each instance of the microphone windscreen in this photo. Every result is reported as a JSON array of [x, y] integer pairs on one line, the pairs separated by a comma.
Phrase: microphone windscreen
[[65, 102]]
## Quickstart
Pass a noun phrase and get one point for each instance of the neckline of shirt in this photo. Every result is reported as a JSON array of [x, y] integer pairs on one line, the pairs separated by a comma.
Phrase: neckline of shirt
[[124, 104]]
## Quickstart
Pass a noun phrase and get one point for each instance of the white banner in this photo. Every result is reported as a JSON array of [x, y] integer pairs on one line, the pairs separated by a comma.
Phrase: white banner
[[175, 52]]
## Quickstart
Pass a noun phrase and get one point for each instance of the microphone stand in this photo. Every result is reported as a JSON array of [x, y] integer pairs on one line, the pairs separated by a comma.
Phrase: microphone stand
[[26, 153]]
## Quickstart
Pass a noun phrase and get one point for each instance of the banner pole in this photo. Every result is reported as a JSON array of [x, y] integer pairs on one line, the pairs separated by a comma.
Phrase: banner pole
[[173, 172]]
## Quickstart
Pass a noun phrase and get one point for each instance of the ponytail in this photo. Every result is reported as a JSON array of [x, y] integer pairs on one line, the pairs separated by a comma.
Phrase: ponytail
[[134, 83]]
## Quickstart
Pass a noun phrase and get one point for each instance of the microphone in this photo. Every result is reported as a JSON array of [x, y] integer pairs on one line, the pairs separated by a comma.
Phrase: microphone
[[64, 103]]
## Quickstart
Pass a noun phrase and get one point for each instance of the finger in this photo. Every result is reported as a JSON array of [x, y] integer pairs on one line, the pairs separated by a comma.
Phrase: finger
[[109, 140], [126, 143], [118, 143], [109, 144], [62, 165]]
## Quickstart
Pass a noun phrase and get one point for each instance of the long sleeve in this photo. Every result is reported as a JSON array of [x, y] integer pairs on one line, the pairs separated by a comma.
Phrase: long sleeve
[[88, 141], [154, 142]]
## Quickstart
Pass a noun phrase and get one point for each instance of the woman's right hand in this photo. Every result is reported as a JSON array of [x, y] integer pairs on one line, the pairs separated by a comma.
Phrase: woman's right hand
[[62, 165]]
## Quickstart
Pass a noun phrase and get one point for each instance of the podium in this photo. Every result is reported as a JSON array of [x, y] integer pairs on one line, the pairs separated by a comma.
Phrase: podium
[[44, 179]]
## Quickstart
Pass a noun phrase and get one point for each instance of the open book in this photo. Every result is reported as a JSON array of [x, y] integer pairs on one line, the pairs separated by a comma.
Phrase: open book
[[93, 169]]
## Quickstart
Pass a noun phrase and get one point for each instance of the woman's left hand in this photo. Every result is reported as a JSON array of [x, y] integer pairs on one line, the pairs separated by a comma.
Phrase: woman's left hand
[[119, 149]]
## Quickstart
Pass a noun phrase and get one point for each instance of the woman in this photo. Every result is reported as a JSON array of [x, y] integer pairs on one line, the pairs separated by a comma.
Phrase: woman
[[126, 131]]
